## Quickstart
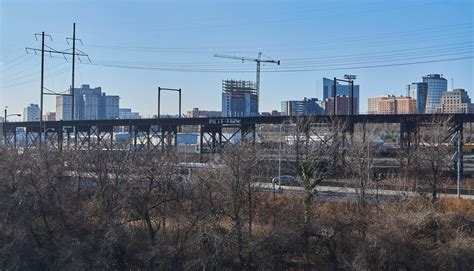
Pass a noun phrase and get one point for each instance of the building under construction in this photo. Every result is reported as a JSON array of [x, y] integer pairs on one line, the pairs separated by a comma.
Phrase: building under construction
[[239, 98]]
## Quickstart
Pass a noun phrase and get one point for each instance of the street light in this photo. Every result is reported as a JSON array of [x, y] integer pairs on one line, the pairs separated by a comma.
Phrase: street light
[[6, 116]]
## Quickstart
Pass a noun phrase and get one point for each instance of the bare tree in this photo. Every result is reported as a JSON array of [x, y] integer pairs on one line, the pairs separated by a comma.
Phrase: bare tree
[[434, 155], [360, 157], [242, 170], [316, 156]]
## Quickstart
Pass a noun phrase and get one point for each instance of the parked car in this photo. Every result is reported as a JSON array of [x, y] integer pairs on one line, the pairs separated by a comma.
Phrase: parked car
[[287, 180]]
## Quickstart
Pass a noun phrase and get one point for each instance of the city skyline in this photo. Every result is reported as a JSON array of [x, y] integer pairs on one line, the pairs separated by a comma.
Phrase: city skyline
[[169, 53]]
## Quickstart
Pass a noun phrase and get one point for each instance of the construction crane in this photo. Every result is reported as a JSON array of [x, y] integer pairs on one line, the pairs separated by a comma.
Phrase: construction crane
[[258, 60]]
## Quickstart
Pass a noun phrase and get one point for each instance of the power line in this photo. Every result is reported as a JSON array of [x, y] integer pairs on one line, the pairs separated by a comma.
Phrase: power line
[[421, 52], [35, 79], [422, 49], [30, 74], [380, 66], [385, 59], [280, 70], [378, 37]]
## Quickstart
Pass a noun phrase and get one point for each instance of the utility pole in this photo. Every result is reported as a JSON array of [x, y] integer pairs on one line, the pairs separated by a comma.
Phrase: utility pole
[[50, 51], [73, 62], [42, 85], [73, 66]]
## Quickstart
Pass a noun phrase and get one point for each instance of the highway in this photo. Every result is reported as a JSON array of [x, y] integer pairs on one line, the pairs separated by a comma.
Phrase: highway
[[338, 191]]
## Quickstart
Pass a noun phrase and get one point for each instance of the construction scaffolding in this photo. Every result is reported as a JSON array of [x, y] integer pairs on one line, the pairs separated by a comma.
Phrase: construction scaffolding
[[239, 98]]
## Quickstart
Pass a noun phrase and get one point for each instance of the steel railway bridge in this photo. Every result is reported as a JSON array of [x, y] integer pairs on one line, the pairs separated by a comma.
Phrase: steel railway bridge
[[161, 133]]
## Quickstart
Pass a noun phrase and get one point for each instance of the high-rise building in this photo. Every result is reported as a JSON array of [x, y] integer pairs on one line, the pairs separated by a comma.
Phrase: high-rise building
[[89, 103], [31, 113], [419, 92], [405, 105], [387, 105], [455, 101], [437, 86], [390, 104], [63, 108], [341, 89], [372, 105], [307, 106], [109, 107], [343, 105], [239, 98]]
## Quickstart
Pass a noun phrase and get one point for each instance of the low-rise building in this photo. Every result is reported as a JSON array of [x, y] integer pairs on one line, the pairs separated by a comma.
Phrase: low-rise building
[[405, 105], [307, 106], [196, 113], [126, 113], [343, 105], [455, 101], [390, 105], [49, 116]]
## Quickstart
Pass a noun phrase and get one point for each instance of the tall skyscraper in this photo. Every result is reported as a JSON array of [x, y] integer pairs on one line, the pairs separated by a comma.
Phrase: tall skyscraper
[[307, 106], [31, 113], [455, 101], [89, 104], [437, 86], [419, 92], [239, 98]]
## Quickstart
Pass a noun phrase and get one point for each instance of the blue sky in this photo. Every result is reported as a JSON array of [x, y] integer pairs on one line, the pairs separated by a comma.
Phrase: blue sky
[[172, 43]]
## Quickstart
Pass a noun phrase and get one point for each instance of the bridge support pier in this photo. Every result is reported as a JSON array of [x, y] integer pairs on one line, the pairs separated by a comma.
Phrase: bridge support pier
[[408, 134]]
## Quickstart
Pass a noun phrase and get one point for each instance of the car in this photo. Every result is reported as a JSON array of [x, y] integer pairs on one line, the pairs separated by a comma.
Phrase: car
[[287, 180]]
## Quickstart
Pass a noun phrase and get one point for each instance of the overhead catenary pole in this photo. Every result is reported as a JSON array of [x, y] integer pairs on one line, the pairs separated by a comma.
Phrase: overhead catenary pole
[[159, 93], [179, 103], [159, 98], [352, 97], [335, 95]]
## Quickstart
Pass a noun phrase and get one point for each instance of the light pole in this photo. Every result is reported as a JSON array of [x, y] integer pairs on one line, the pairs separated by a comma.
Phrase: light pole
[[6, 115], [368, 161], [279, 158]]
